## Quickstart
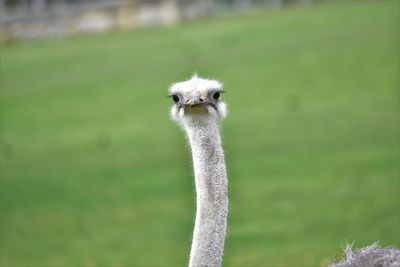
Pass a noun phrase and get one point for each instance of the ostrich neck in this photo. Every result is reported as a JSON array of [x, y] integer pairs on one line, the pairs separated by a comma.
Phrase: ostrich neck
[[212, 198]]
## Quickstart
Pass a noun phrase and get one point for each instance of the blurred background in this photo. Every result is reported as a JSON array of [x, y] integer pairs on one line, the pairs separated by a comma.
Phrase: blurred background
[[27, 19], [94, 173]]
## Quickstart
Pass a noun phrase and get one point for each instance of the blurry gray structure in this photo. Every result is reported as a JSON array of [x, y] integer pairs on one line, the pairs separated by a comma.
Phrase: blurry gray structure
[[27, 19], [370, 256]]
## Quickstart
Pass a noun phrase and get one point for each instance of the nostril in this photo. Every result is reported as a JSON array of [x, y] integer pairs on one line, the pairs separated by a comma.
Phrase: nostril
[[187, 101], [201, 99]]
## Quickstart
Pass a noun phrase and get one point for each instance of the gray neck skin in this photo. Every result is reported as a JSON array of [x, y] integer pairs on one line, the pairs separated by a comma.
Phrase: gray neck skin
[[212, 193]]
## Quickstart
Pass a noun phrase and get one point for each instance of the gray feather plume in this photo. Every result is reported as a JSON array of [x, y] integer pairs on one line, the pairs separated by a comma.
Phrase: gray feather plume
[[371, 256]]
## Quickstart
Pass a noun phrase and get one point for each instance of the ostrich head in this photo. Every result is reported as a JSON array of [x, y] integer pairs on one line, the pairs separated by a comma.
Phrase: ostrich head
[[197, 99]]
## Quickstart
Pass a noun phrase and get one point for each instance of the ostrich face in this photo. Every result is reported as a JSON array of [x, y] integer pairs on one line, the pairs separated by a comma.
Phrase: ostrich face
[[197, 98]]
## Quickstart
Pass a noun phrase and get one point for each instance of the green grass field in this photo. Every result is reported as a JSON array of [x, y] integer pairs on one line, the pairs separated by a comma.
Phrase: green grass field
[[94, 173]]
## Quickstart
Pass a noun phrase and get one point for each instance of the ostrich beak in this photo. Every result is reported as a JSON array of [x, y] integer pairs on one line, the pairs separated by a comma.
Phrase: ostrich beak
[[194, 102]]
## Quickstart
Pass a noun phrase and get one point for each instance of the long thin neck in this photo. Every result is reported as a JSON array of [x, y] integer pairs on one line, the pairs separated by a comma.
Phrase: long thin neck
[[212, 195]]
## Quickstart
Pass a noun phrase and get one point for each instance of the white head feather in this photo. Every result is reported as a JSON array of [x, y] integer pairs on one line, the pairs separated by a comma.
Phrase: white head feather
[[197, 98]]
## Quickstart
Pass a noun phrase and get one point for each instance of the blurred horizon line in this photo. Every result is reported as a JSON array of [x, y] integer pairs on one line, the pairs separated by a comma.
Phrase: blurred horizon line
[[56, 19]]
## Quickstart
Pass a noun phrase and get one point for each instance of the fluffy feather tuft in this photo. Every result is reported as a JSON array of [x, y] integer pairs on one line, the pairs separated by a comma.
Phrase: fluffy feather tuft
[[370, 256]]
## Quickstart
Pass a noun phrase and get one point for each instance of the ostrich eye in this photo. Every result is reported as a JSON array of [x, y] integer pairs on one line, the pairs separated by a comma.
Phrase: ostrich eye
[[175, 98], [216, 95]]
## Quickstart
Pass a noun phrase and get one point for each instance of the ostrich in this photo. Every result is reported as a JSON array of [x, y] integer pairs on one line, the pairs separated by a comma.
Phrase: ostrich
[[198, 109]]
